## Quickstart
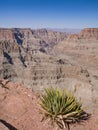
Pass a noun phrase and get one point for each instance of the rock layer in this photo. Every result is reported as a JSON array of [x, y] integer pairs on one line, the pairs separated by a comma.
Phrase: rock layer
[[90, 34], [43, 58], [6, 34]]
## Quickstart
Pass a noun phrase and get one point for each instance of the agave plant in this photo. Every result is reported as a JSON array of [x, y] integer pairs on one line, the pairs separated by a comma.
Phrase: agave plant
[[62, 108]]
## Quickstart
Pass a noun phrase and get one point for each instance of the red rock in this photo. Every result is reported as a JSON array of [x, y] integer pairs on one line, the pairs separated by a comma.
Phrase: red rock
[[19, 107], [6, 34], [86, 34]]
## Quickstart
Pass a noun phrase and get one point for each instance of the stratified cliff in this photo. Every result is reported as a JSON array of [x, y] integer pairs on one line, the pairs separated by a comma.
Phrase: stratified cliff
[[22, 50], [6, 34], [42, 58], [90, 34]]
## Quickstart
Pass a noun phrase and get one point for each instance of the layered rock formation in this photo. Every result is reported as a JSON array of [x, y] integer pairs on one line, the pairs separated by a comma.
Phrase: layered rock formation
[[82, 50], [43, 58], [6, 34], [89, 33], [86, 34], [27, 55]]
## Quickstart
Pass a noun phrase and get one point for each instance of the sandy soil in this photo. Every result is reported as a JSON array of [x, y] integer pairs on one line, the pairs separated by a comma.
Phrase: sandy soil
[[20, 110]]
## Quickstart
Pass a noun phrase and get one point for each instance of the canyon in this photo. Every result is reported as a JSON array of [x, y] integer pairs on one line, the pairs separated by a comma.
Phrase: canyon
[[31, 60], [42, 58]]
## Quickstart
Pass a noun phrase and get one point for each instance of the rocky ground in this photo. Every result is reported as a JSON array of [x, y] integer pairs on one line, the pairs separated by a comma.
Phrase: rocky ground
[[20, 110], [41, 58]]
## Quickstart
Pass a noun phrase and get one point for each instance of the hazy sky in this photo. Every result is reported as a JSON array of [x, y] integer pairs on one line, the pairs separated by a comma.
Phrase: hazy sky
[[49, 13]]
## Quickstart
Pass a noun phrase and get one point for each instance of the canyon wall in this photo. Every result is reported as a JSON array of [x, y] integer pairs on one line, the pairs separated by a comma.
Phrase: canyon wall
[[43, 58]]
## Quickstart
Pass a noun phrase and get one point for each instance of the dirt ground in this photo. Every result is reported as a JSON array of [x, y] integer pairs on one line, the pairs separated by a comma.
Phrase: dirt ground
[[20, 110]]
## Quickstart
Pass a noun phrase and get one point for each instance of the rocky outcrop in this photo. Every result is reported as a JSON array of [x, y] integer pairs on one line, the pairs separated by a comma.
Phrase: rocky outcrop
[[22, 34], [20, 110], [34, 40], [27, 55], [42, 58], [6, 34], [85, 34], [51, 37], [7, 46], [82, 51], [89, 33]]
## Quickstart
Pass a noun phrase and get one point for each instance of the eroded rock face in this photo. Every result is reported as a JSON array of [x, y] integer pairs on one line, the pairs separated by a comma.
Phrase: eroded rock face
[[90, 34], [27, 56], [50, 36], [33, 40], [82, 50], [42, 58], [6, 34]]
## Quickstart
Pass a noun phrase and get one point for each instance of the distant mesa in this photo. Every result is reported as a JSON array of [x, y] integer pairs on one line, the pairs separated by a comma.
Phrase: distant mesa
[[86, 34], [67, 30]]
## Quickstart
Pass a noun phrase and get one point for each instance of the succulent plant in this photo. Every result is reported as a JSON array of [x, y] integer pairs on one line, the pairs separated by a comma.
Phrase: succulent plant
[[62, 108]]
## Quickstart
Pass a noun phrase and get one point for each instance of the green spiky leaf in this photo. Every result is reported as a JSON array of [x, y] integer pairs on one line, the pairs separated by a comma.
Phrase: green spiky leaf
[[61, 107]]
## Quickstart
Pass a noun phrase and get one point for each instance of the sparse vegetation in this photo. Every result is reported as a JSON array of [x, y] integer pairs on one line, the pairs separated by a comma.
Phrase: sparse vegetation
[[3, 85], [61, 108]]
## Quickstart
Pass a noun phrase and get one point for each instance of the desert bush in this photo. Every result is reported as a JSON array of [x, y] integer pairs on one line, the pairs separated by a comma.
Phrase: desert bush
[[3, 85], [61, 107]]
